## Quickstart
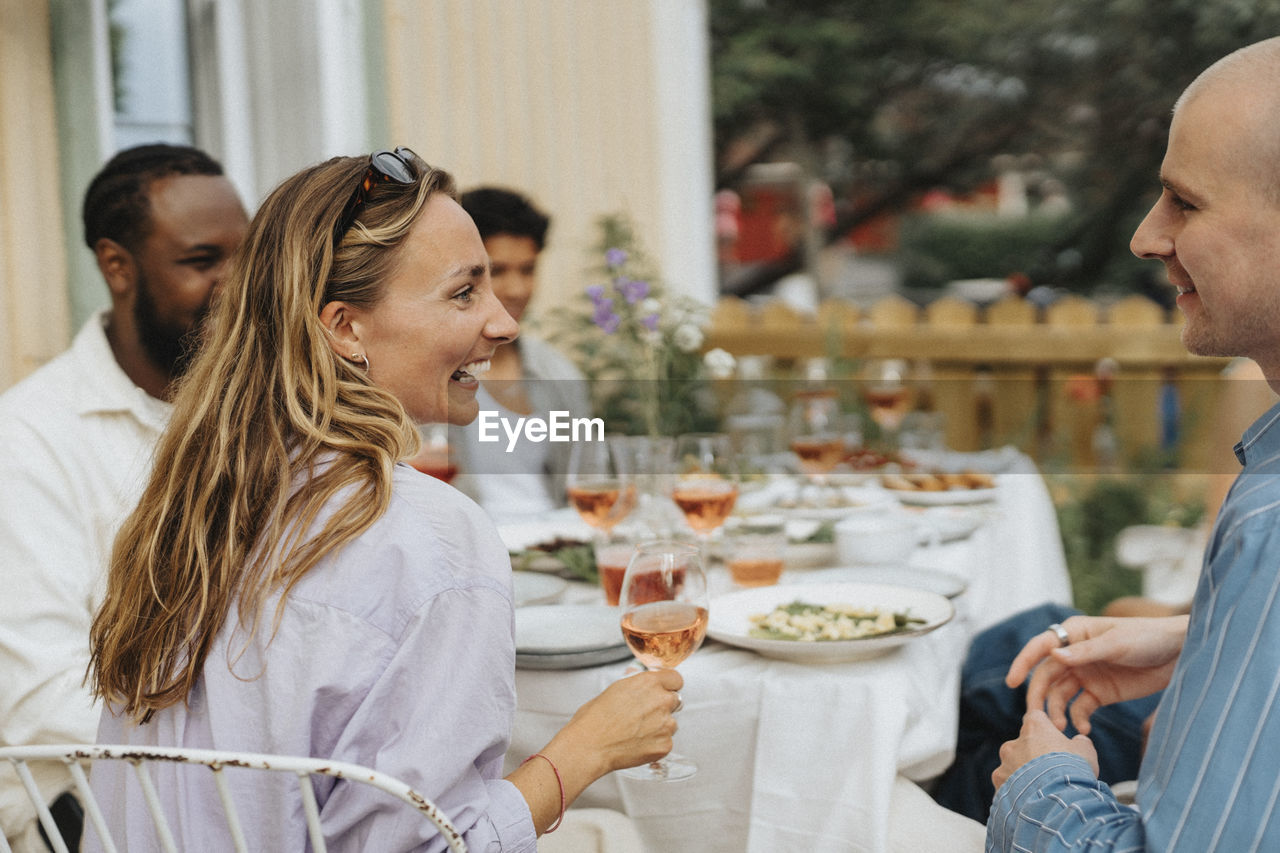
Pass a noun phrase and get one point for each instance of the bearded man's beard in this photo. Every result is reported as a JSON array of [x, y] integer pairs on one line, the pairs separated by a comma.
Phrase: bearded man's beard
[[169, 345]]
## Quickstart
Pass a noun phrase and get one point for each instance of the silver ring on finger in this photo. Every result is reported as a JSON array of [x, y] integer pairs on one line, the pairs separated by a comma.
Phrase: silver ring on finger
[[1063, 638]]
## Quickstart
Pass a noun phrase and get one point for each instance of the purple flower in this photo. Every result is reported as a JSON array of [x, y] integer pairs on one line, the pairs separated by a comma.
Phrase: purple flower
[[650, 322], [632, 290], [604, 316], [615, 257], [596, 292]]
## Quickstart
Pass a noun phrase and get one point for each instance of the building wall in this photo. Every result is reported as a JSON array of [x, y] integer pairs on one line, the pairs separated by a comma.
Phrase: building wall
[[34, 311], [592, 107]]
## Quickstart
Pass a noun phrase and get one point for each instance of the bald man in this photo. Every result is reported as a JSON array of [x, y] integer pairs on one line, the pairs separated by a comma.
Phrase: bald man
[[1209, 778]]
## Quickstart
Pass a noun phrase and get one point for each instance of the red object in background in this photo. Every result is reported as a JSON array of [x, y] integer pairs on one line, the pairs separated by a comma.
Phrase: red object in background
[[878, 234], [770, 224], [445, 472]]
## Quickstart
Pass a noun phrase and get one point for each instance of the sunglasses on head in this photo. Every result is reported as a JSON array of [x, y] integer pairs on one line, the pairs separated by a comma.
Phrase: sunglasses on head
[[384, 167]]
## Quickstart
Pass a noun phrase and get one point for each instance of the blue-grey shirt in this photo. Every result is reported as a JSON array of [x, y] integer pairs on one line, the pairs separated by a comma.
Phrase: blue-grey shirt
[[1210, 778]]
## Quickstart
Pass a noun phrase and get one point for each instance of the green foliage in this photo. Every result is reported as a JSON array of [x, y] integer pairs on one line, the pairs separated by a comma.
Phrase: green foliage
[[937, 248], [886, 100], [1092, 516]]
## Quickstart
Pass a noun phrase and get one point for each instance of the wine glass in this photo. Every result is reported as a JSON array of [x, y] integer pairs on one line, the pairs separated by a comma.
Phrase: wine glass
[[816, 430], [817, 435], [664, 618], [888, 396], [650, 459], [599, 485], [706, 484]]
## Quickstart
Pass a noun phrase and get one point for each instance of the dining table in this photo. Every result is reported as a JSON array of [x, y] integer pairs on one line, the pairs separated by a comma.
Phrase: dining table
[[804, 754]]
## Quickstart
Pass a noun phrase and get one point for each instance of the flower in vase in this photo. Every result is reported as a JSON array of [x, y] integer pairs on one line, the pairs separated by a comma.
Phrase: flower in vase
[[720, 364], [641, 347]]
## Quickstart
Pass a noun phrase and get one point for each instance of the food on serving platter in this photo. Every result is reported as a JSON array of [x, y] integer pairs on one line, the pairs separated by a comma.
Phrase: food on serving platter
[[868, 459], [809, 623], [568, 557], [938, 481], [551, 546]]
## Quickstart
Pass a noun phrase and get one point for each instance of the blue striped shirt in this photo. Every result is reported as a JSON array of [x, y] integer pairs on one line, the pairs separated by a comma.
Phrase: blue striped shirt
[[1210, 778]]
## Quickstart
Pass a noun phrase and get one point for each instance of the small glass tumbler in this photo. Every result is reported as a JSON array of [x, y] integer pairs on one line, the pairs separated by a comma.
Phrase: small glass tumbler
[[612, 556], [755, 551]]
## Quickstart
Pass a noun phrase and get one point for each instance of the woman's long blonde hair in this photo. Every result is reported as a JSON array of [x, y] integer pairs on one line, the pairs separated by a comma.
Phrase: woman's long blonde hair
[[268, 426]]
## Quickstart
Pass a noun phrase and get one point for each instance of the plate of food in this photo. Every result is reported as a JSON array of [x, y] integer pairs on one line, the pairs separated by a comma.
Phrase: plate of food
[[941, 488], [826, 622]]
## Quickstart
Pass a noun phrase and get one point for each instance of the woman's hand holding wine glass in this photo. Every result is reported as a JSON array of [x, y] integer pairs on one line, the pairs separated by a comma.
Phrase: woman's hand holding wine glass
[[664, 619]]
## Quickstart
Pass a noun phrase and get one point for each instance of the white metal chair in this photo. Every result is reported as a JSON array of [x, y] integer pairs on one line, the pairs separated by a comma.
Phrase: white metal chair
[[75, 755]]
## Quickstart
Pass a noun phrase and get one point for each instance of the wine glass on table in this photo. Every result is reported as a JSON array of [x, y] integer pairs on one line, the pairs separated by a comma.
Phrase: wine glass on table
[[888, 397], [601, 489], [664, 619], [816, 428], [705, 487], [599, 485]]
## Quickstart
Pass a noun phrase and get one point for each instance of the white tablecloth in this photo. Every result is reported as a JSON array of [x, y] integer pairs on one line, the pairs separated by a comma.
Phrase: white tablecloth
[[802, 757]]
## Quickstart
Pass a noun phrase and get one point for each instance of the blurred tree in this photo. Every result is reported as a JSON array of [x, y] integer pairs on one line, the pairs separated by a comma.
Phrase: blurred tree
[[888, 99]]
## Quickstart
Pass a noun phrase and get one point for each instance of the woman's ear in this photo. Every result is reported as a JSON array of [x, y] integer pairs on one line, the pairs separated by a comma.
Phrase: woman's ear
[[338, 319]]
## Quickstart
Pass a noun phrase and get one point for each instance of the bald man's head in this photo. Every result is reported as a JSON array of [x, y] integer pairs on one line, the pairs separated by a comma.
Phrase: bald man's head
[[1250, 79]]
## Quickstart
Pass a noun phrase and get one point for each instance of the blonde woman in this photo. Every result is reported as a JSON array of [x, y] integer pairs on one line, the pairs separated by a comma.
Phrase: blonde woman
[[286, 586]]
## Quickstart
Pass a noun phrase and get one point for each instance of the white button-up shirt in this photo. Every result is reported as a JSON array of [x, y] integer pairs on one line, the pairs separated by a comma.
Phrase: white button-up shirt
[[76, 439]]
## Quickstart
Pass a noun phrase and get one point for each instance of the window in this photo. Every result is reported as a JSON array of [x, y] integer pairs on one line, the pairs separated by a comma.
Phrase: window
[[150, 69]]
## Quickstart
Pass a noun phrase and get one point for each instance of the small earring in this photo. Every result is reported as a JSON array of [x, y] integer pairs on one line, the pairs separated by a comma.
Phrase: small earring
[[362, 357]]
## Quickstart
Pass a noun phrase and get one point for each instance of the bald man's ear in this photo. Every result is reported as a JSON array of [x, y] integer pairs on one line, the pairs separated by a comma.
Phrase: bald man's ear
[[117, 265]]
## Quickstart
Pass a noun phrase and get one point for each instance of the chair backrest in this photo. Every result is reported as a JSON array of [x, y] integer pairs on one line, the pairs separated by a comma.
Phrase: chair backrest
[[74, 756]]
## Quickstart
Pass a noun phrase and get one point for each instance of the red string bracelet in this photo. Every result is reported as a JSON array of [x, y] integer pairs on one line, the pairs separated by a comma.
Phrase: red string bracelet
[[559, 782]]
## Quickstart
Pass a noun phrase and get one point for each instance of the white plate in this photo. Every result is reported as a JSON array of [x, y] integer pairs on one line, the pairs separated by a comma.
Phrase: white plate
[[947, 498], [934, 580], [573, 660], [552, 629], [559, 524], [730, 618], [530, 588]]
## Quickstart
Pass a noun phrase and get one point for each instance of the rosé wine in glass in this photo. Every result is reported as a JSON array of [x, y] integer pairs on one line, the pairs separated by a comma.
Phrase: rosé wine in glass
[[664, 620]]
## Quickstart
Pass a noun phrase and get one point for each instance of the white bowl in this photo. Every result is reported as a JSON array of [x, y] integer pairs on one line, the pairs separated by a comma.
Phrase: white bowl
[[876, 539]]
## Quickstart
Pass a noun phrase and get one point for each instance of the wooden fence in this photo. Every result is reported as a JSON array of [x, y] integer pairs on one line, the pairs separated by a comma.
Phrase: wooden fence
[[1012, 373]]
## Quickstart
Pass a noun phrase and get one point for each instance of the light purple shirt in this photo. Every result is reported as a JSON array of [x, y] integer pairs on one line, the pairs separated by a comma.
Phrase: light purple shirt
[[396, 653]]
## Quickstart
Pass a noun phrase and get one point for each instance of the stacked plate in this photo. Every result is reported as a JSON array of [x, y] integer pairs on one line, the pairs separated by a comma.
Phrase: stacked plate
[[568, 636], [533, 588]]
